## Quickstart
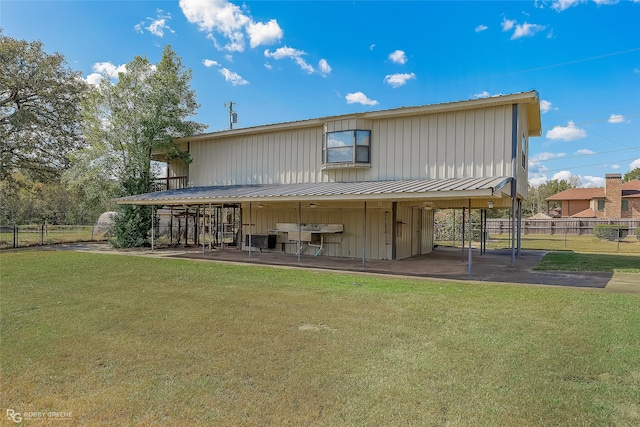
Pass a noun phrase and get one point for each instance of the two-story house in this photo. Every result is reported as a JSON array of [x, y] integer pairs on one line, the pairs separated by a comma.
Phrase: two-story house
[[362, 184], [617, 200]]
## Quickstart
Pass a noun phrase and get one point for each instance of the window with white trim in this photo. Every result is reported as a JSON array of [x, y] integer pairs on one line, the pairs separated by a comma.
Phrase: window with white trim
[[348, 147]]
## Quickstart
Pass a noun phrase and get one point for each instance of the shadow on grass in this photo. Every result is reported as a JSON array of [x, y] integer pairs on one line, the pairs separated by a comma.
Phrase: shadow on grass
[[572, 261]]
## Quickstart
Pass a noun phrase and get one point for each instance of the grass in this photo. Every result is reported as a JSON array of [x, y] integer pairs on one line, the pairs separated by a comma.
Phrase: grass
[[571, 261], [556, 242], [123, 340]]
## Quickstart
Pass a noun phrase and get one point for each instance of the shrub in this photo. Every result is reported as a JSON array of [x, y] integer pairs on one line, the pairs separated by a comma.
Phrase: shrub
[[610, 231], [638, 232]]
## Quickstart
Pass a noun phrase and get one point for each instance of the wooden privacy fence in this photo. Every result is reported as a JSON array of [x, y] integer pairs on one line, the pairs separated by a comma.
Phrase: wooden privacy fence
[[569, 226]]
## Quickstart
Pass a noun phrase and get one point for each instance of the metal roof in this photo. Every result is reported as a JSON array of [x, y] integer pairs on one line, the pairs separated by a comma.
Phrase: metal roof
[[530, 100], [456, 188]]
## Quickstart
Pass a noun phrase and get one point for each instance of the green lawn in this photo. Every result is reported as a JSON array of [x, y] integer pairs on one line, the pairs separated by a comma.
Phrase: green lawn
[[123, 340], [557, 242], [572, 261]]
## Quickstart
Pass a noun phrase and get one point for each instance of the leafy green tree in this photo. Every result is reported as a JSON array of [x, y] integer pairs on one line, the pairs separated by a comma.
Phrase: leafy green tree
[[39, 110], [631, 175], [126, 122], [536, 201]]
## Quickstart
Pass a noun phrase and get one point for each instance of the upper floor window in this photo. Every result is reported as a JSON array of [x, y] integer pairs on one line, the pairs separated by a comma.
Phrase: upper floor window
[[600, 205], [625, 205], [350, 146]]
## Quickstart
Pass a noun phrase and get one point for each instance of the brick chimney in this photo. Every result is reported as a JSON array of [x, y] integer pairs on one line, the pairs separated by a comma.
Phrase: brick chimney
[[613, 195]]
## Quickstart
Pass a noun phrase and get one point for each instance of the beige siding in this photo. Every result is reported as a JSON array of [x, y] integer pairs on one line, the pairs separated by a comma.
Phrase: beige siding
[[462, 144], [377, 241]]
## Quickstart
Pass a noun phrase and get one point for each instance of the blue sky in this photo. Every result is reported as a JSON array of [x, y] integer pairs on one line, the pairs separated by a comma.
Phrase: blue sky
[[280, 61]]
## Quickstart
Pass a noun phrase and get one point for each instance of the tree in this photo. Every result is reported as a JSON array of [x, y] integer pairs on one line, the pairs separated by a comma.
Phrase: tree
[[631, 175], [39, 110], [126, 122], [536, 201]]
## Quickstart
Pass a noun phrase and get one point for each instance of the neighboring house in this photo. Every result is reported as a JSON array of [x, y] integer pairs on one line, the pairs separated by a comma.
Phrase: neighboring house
[[358, 185], [616, 200]]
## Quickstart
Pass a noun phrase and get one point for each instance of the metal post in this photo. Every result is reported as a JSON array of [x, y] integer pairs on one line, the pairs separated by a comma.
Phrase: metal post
[[299, 230], [513, 231], [470, 237], [204, 216], [463, 236], [153, 229], [364, 238], [250, 230], [222, 220]]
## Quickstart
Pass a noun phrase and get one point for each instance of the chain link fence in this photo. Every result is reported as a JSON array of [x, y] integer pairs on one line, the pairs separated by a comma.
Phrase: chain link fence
[[18, 236]]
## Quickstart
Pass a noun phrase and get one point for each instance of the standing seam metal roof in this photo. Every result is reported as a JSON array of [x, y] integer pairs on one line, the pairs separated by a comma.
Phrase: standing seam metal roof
[[425, 188]]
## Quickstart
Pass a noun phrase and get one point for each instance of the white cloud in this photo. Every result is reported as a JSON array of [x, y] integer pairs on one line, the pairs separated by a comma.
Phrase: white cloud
[[294, 54], [372, 46], [605, 2], [616, 118], [584, 152], [398, 57], [480, 28], [397, 80], [592, 181], [545, 106], [234, 78], [562, 175], [108, 69], [210, 63], [105, 69], [156, 26], [231, 22], [634, 164], [94, 79], [541, 157], [325, 68], [483, 94], [536, 180], [615, 167], [284, 52], [526, 30], [560, 5], [507, 24], [260, 33], [566, 133], [359, 98], [268, 66]]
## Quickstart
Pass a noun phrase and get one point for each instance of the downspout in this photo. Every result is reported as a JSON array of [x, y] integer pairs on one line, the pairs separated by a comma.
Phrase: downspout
[[514, 171]]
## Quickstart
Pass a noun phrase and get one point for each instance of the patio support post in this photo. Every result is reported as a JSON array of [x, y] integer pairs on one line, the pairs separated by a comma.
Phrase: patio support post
[[364, 234], [204, 216], [470, 237], [519, 226], [222, 219], [513, 231], [153, 228], [462, 236], [210, 227], [250, 230], [171, 225], [299, 230]]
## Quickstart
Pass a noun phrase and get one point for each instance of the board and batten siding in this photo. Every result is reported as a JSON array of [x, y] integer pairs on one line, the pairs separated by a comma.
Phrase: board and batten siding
[[461, 144], [377, 241]]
